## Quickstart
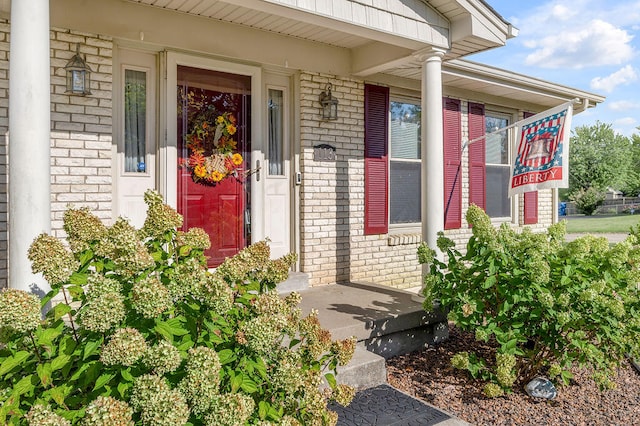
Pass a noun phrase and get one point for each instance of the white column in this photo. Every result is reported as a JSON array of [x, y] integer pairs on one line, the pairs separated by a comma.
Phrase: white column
[[432, 147], [29, 138]]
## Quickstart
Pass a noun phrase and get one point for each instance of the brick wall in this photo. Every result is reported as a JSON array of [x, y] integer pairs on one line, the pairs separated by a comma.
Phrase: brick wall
[[333, 245], [81, 129], [80, 132]]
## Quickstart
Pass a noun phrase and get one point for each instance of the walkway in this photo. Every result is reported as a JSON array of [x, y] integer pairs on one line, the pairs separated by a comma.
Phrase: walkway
[[612, 237], [386, 406]]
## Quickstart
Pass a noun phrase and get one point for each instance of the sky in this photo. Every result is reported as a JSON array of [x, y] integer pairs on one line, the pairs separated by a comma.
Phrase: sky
[[591, 45]]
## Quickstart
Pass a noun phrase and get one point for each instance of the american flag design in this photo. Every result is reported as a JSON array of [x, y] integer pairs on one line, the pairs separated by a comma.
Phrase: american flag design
[[541, 157]]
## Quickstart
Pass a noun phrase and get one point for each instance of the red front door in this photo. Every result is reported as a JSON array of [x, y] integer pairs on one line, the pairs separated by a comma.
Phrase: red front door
[[213, 148]]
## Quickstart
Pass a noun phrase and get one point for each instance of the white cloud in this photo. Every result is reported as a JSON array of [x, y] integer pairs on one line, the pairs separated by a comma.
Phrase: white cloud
[[623, 105], [624, 75], [578, 45], [625, 121]]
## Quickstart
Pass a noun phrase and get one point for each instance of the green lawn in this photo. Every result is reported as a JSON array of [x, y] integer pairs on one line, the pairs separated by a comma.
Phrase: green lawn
[[595, 224]]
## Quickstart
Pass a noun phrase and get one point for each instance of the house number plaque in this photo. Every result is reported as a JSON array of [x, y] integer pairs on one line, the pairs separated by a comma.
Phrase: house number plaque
[[324, 152]]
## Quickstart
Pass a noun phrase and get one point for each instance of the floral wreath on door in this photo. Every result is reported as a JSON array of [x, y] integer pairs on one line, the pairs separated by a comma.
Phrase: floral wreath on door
[[213, 151]]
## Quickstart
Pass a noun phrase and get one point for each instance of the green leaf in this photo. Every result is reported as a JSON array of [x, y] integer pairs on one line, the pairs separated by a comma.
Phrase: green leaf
[[123, 388], [46, 336], [12, 361], [24, 385], [331, 379], [248, 385], [126, 374], [164, 329], [59, 393], [60, 310], [103, 380], [67, 345], [226, 356], [236, 381], [184, 251], [60, 361], [263, 408], [176, 326], [75, 291], [489, 282], [91, 347], [157, 256], [78, 278], [90, 374], [44, 373]]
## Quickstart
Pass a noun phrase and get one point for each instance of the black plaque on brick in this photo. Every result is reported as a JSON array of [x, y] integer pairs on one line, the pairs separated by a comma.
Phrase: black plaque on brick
[[324, 152]]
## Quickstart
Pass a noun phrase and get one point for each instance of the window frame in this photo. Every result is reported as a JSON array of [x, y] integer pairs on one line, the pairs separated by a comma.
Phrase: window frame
[[512, 202], [408, 227]]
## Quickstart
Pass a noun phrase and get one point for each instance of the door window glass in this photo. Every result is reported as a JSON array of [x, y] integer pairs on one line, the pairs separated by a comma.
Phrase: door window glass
[[276, 130], [135, 121]]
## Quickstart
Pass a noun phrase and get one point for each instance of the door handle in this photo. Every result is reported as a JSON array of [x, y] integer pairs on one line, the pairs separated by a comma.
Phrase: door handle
[[257, 170]]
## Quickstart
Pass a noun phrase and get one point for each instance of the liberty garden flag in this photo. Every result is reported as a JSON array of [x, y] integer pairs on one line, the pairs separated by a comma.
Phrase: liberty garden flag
[[542, 151]]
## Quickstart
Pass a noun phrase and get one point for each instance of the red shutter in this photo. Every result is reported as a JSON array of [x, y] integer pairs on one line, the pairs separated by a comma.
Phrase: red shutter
[[530, 207], [376, 164], [530, 199], [452, 162], [477, 165]]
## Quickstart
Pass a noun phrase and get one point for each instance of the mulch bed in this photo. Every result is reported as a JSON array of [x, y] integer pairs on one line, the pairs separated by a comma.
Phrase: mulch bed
[[428, 375]]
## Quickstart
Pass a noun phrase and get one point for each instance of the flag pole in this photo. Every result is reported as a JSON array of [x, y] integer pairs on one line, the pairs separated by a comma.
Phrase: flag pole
[[516, 124]]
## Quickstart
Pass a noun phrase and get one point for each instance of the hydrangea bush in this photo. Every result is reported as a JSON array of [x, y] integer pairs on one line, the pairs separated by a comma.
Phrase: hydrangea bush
[[547, 305], [146, 335]]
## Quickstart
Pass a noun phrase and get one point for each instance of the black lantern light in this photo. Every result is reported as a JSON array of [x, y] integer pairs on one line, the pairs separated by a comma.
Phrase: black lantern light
[[329, 104], [78, 75]]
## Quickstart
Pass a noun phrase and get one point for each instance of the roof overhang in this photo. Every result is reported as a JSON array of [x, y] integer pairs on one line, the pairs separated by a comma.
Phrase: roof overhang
[[472, 80], [379, 34]]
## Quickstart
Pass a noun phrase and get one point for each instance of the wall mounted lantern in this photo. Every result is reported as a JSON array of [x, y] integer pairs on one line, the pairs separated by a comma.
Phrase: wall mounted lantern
[[78, 75], [329, 104]]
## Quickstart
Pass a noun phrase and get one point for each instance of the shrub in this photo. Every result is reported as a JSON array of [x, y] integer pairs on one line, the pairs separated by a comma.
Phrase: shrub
[[548, 306], [145, 334], [588, 200]]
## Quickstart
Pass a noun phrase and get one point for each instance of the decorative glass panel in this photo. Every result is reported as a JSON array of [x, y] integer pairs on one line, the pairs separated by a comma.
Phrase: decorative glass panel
[[276, 130], [135, 121]]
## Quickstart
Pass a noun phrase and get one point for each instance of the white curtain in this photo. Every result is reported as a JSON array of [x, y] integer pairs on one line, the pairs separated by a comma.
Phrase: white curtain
[[275, 132], [135, 112]]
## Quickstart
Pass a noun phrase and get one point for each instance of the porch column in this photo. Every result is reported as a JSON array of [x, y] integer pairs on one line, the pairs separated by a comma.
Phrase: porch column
[[432, 149], [29, 139]]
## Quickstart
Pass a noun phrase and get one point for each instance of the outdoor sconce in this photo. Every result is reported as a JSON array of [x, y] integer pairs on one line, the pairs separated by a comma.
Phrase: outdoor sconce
[[78, 75], [329, 104]]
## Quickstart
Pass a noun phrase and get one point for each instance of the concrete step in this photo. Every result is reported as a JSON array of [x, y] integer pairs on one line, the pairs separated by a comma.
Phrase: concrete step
[[297, 281], [365, 370], [386, 321]]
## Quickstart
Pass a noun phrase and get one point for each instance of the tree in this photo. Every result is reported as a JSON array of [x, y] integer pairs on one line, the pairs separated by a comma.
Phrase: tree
[[599, 158], [632, 185]]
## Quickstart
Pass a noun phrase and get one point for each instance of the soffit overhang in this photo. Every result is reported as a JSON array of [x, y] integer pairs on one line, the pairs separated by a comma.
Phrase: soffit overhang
[[472, 80]]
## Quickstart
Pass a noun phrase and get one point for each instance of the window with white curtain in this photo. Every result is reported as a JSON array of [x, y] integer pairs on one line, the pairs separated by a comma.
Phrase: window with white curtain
[[276, 130], [135, 117], [404, 170]]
